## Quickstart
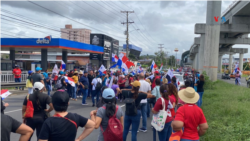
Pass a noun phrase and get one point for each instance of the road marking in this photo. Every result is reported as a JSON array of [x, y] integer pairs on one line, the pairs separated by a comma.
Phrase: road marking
[[122, 105], [13, 111]]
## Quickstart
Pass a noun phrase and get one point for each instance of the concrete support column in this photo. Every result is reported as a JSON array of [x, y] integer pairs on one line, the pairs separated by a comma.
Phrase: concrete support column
[[212, 37], [197, 61], [219, 63], [201, 53], [230, 62], [241, 62], [12, 57], [44, 59], [65, 57]]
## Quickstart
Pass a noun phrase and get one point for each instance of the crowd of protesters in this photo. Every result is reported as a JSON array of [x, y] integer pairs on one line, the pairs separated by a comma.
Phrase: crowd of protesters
[[142, 93]]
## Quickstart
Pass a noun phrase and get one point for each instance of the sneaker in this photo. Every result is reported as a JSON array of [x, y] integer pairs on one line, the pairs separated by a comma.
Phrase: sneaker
[[80, 96], [121, 100], [85, 104], [77, 96], [131, 131], [152, 127], [71, 98], [93, 105], [143, 130]]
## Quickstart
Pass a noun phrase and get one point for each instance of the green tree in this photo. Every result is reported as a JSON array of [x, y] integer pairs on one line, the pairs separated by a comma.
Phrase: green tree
[[132, 57], [171, 61], [246, 66], [160, 57]]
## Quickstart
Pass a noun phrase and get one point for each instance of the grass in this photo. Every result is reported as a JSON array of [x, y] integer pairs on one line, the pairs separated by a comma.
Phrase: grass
[[227, 110], [244, 75]]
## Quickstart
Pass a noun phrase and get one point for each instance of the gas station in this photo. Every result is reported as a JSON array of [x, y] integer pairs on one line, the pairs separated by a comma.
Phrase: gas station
[[45, 45]]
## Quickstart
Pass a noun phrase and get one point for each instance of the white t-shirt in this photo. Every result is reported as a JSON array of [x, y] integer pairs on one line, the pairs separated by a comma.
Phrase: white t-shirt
[[94, 81], [145, 87]]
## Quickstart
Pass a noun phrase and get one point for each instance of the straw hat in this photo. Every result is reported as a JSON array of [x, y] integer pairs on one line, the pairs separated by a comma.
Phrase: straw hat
[[148, 81], [165, 81], [188, 95], [80, 72], [136, 84], [76, 72]]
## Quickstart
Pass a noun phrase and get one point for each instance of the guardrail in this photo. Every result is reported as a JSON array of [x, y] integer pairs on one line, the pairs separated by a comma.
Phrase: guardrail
[[9, 77], [8, 85], [230, 6]]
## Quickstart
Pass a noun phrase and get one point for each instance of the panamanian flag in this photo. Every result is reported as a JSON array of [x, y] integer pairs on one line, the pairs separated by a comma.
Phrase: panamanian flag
[[102, 70], [70, 81], [63, 66], [114, 58], [5, 94], [153, 66]]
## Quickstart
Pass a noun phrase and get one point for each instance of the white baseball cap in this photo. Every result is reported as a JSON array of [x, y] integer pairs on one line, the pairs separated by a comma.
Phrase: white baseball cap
[[38, 85]]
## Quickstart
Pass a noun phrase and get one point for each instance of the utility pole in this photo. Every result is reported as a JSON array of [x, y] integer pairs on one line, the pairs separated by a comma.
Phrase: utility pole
[[161, 47], [167, 58], [127, 40]]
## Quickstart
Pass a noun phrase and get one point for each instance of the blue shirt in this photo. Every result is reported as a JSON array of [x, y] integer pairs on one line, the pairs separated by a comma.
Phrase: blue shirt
[[45, 74], [84, 80]]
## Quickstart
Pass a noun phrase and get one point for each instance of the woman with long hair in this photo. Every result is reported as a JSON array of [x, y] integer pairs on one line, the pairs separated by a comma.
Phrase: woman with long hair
[[133, 98], [39, 101], [101, 116], [172, 92], [200, 89], [166, 132], [116, 88]]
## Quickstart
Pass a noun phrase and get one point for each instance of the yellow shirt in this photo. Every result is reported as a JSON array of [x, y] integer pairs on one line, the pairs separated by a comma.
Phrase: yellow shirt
[[75, 78]]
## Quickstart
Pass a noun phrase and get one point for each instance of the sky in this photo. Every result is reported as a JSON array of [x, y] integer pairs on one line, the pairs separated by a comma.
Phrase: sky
[[159, 22]]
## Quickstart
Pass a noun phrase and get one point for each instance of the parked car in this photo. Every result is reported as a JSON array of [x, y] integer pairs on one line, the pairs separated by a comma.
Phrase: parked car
[[225, 76]]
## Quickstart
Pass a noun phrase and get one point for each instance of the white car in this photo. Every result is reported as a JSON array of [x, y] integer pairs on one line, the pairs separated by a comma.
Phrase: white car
[[179, 77]]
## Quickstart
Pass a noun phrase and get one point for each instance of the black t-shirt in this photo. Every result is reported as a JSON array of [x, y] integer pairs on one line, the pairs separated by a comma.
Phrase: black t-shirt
[[8, 125], [129, 94], [200, 86], [90, 77], [36, 77], [62, 80], [60, 129], [44, 99]]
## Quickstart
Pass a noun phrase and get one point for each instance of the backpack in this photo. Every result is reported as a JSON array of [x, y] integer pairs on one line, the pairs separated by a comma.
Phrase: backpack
[[59, 83], [29, 112], [98, 85], [131, 109], [114, 130]]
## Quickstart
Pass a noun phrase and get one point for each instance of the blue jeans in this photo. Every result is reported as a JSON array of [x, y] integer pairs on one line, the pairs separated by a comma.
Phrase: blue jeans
[[199, 103], [94, 94], [84, 95], [188, 140], [135, 121], [48, 89], [90, 90], [18, 80], [148, 108], [165, 134], [144, 115]]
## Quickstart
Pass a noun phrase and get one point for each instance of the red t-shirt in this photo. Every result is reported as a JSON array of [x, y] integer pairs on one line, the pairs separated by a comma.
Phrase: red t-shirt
[[56, 77], [131, 79], [193, 117], [158, 106], [17, 73], [173, 97], [123, 83], [153, 84]]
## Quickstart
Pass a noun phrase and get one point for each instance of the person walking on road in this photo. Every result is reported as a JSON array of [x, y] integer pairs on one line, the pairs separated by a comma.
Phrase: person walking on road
[[102, 115], [166, 132], [84, 87], [17, 75], [133, 110], [200, 83], [90, 77], [39, 101], [48, 85], [37, 77], [145, 87], [9, 124], [29, 85], [63, 125], [190, 116], [75, 78], [96, 89], [60, 83]]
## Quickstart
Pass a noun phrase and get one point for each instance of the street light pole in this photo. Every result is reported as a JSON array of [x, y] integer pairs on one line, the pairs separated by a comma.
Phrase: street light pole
[[176, 50]]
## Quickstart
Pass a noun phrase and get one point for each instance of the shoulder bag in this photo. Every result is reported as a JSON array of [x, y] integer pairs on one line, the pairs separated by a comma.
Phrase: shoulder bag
[[159, 119]]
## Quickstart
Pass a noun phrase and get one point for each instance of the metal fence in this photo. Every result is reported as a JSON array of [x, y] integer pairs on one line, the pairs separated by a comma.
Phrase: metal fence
[[7, 77]]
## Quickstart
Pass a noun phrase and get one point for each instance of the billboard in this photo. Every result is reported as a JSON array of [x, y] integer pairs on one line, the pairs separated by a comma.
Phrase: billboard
[[107, 50]]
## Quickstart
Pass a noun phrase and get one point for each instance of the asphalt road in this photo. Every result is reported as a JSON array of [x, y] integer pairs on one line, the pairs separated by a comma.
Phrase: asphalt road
[[232, 80], [14, 110]]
